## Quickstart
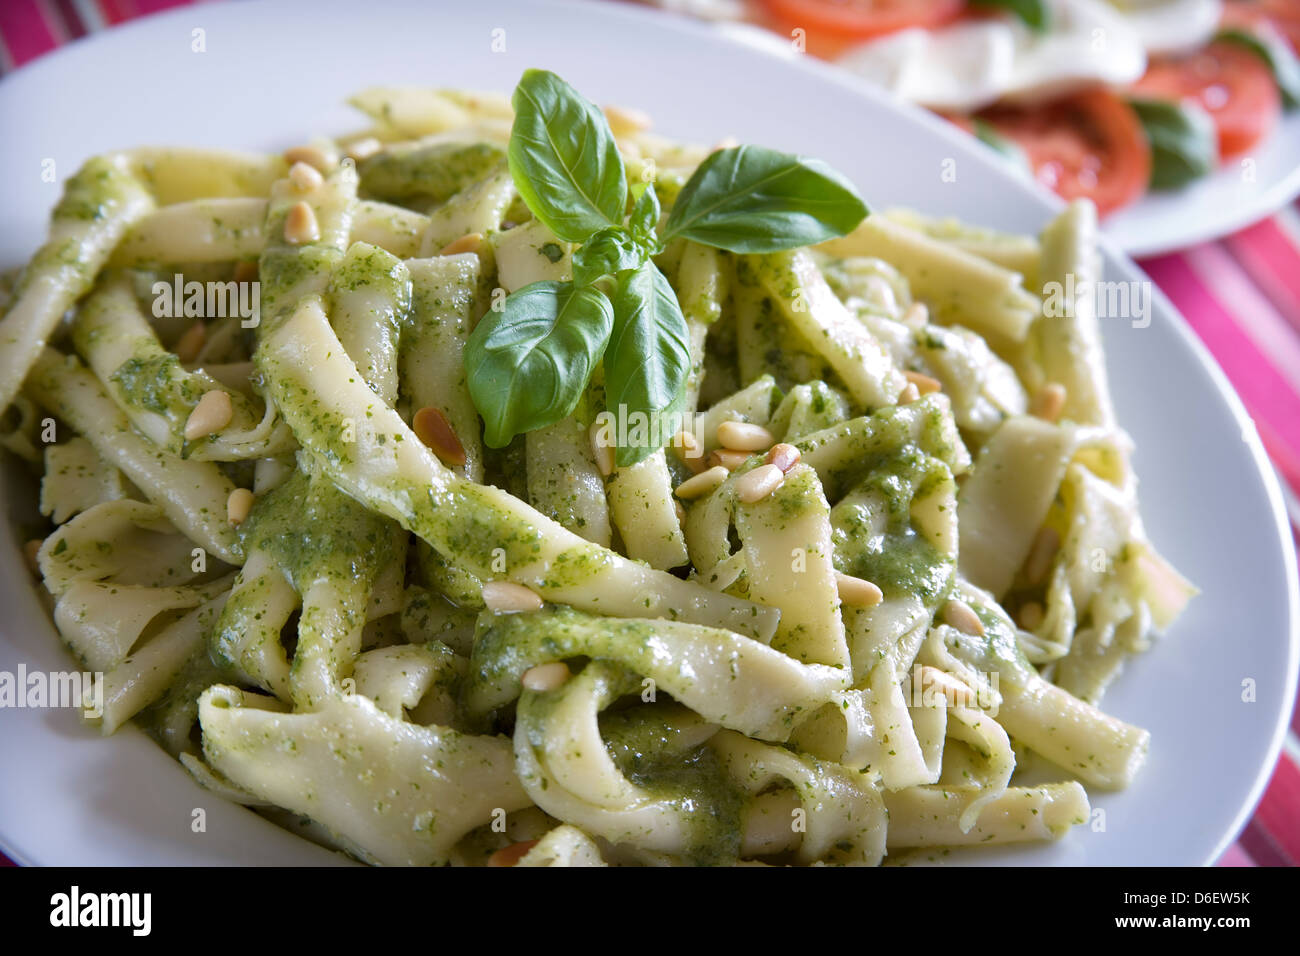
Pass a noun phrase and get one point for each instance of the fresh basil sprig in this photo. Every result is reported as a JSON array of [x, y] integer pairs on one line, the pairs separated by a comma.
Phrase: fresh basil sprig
[[750, 199], [648, 359], [530, 362]]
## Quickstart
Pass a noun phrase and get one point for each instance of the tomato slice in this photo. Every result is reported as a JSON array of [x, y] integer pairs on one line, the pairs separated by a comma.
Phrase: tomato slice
[[1089, 145], [830, 26], [1284, 15], [1230, 82]]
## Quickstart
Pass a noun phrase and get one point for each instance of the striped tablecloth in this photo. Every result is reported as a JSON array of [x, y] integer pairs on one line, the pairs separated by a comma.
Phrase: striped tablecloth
[[1241, 295]]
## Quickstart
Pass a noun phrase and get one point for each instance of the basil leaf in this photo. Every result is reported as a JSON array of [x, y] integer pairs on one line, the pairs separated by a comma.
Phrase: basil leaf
[[644, 220], [647, 363], [753, 200], [1184, 146], [1032, 12], [1270, 47], [609, 251], [563, 158], [529, 363]]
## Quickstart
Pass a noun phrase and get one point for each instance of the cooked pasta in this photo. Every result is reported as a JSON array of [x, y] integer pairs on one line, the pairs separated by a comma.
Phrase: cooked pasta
[[890, 544]]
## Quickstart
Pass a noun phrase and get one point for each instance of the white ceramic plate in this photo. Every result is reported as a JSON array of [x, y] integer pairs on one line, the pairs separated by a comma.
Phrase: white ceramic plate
[[1244, 190], [274, 73]]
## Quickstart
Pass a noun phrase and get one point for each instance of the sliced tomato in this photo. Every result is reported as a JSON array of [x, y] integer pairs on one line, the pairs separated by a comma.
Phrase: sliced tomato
[[1229, 82], [1089, 145], [830, 26], [1284, 15]]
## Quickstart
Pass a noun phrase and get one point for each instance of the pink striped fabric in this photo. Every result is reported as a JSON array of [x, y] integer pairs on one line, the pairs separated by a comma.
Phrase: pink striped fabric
[[1241, 295]]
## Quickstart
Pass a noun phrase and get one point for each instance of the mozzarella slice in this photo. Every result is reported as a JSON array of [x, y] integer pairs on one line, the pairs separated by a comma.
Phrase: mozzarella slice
[[1171, 26]]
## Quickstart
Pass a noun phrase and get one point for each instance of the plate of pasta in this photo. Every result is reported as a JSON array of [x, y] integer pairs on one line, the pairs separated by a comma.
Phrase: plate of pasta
[[434, 462]]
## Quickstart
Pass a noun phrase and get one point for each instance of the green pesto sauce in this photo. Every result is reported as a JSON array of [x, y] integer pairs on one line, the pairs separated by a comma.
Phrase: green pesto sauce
[[434, 172], [157, 383]]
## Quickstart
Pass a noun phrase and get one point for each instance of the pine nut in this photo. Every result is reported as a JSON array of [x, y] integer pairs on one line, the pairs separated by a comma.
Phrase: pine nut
[[545, 677], [727, 458], [702, 484], [916, 315], [245, 271], [431, 427], [625, 122], [959, 615], [506, 597], [925, 384], [238, 505], [690, 450], [30, 550], [784, 456], [190, 344], [300, 225], [603, 453], [363, 149], [743, 436], [1041, 554], [1049, 402], [512, 854], [758, 484], [857, 592], [909, 394], [727, 142], [470, 242], [310, 155], [956, 693], [1031, 616], [212, 413], [305, 178]]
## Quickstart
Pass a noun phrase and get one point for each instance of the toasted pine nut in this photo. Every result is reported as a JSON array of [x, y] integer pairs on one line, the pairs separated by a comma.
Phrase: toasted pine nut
[[305, 178], [916, 314], [857, 592], [702, 484], [625, 122], [1041, 554], [300, 225], [1049, 402], [690, 450], [602, 452], [190, 344], [727, 142], [956, 693], [545, 677], [238, 505], [245, 271], [742, 436], [431, 427], [506, 597], [470, 242], [212, 413], [728, 458], [959, 615], [310, 155], [363, 149], [909, 394], [784, 456], [756, 485], [1031, 615], [925, 384], [30, 550], [512, 854]]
